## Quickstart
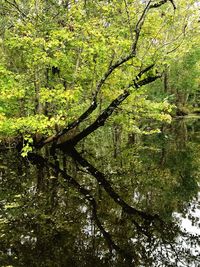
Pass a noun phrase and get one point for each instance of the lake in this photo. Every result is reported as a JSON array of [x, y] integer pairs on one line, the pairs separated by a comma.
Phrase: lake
[[118, 200]]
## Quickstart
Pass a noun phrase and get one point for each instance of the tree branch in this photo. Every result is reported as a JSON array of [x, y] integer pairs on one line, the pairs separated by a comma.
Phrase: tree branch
[[100, 121], [15, 5], [139, 26], [70, 126], [162, 2], [129, 20], [132, 53]]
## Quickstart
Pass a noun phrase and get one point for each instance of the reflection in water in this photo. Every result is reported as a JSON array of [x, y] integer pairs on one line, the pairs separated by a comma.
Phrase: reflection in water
[[89, 208]]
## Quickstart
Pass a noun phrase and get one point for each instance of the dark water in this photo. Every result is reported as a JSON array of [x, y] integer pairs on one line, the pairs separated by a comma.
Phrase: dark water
[[123, 201]]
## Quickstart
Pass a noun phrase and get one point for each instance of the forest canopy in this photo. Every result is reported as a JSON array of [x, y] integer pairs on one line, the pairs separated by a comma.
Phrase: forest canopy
[[69, 64]]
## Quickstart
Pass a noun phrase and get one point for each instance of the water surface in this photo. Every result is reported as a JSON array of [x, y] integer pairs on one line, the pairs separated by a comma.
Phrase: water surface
[[123, 201]]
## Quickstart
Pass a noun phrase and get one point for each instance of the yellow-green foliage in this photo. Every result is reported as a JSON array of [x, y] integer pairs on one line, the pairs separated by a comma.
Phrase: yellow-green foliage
[[53, 57]]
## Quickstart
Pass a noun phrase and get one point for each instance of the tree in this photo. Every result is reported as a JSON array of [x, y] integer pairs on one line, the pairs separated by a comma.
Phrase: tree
[[180, 83], [66, 77], [91, 56], [187, 78]]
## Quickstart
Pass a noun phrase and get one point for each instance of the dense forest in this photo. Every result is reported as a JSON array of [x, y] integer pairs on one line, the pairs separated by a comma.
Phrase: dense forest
[[84, 86], [72, 65]]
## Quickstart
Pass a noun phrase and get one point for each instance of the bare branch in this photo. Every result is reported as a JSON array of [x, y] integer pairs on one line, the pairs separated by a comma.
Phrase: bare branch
[[147, 80], [173, 4], [144, 71], [162, 2]]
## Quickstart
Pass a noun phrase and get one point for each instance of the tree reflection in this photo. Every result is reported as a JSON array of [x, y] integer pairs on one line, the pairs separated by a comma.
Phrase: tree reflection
[[76, 211]]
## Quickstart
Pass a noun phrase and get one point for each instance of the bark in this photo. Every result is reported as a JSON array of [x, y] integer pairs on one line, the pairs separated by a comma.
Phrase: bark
[[166, 80], [102, 118], [70, 126], [112, 67], [116, 139], [162, 2], [100, 121], [38, 105]]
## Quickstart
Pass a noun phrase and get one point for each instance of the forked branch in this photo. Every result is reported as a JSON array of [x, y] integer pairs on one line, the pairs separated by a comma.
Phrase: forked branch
[[102, 118], [112, 67]]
